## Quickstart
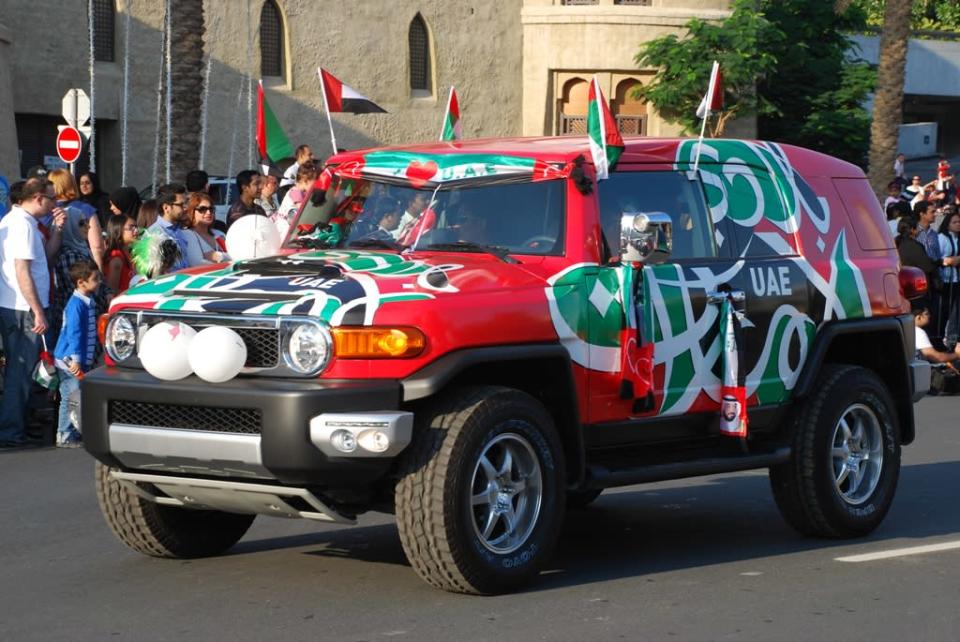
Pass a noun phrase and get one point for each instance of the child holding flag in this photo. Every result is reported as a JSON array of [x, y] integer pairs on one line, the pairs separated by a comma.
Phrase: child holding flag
[[76, 345]]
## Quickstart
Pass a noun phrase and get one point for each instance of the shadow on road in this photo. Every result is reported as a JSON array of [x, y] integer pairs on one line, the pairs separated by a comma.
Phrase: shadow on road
[[655, 529]]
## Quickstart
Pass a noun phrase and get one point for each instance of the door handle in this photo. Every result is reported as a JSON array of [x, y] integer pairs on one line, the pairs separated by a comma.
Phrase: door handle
[[719, 296]]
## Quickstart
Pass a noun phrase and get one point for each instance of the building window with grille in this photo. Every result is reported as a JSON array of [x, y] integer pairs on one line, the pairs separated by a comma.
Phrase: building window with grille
[[103, 19], [629, 111], [573, 107], [271, 40], [420, 81]]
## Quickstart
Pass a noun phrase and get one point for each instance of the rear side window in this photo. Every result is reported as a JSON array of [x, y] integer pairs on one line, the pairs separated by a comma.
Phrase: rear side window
[[740, 198], [669, 192], [867, 218]]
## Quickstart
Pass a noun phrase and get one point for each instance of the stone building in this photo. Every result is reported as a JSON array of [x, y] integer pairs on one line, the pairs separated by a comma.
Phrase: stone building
[[520, 68]]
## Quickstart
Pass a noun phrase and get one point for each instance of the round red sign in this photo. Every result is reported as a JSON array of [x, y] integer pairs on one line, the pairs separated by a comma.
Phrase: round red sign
[[69, 144]]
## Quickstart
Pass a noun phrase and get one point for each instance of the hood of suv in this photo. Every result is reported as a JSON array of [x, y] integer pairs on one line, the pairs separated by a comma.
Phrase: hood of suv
[[342, 287]]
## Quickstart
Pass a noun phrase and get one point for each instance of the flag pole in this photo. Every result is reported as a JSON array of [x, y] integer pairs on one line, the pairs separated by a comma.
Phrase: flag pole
[[443, 123], [326, 108], [703, 129], [708, 103]]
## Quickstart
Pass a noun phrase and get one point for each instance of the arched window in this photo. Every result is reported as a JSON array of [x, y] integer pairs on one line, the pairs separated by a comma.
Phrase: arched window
[[103, 18], [573, 106], [629, 112], [420, 80], [271, 40]]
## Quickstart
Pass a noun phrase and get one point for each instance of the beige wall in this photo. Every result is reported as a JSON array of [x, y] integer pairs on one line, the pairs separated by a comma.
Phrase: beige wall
[[505, 57], [560, 42], [476, 45]]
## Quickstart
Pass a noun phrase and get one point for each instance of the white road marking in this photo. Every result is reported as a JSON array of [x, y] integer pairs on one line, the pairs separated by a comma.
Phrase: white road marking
[[900, 552]]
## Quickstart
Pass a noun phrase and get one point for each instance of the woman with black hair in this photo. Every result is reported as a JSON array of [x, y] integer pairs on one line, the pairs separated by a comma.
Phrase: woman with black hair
[[91, 194], [122, 231], [125, 200], [912, 253]]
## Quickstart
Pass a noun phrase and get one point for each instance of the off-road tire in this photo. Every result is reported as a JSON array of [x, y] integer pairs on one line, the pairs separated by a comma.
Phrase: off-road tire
[[804, 487], [577, 499], [435, 516], [165, 531]]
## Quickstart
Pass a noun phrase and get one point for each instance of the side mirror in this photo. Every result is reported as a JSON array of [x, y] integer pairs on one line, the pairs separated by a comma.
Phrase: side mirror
[[646, 237]]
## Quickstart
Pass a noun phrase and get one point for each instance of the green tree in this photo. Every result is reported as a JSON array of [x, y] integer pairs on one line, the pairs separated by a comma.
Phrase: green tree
[[787, 61], [820, 86], [741, 44], [925, 15]]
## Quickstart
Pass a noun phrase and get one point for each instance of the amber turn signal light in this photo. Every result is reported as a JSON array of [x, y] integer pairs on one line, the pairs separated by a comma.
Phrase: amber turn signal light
[[378, 343], [102, 321]]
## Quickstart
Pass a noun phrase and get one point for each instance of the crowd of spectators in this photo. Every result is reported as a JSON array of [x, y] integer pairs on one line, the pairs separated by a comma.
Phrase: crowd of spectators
[[67, 248], [925, 219]]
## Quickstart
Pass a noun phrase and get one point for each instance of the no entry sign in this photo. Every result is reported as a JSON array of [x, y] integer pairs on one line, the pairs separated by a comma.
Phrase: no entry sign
[[69, 144]]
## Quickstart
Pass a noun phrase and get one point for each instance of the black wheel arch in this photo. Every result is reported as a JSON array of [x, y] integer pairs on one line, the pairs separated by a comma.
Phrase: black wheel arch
[[542, 370], [856, 342]]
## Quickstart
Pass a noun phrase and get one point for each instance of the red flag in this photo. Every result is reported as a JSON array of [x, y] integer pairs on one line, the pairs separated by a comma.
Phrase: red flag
[[344, 98], [713, 100]]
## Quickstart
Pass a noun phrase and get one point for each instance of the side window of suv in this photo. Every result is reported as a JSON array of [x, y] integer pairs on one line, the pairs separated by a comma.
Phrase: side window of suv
[[662, 191], [739, 199]]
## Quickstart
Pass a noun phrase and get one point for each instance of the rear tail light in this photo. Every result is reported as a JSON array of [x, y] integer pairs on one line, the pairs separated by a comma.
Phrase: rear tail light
[[913, 282]]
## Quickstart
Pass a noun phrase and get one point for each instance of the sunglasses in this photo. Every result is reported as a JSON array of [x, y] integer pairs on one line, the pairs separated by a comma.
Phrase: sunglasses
[[203, 209]]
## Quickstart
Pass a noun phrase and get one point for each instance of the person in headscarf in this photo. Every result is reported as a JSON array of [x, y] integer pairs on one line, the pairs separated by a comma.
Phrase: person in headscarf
[[74, 247], [91, 194], [126, 201]]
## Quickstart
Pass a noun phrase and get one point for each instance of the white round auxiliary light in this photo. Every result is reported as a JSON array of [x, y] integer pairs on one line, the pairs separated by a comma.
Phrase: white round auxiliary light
[[164, 350], [217, 354]]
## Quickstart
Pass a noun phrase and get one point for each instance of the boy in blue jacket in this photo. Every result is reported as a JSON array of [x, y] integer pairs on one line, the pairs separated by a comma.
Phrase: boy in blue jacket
[[76, 345]]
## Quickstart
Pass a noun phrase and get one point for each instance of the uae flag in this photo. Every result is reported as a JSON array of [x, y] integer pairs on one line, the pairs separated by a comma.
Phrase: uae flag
[[733, 392], [451, 120], [344, 98], [606, 143], [713, 100], [272, 143]]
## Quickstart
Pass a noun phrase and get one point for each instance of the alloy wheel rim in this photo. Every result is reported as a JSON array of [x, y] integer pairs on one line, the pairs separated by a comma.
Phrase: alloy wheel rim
[[857, 454], [506, 493]]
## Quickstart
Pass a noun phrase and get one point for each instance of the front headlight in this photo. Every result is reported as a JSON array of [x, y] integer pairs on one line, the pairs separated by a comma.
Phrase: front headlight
[[120, 339], [306, 346]]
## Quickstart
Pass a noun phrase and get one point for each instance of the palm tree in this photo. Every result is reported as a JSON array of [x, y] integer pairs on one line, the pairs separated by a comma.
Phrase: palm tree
[[187, 82], [888, 101]]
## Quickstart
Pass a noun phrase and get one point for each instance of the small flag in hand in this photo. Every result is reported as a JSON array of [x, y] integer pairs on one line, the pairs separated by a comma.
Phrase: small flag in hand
[[606, 143], [451, 121], [343, 98], [713, 100]]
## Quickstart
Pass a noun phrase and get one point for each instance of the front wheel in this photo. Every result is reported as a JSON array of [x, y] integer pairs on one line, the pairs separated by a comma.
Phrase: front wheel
[[481, 498], [165, 531], [843, 472]]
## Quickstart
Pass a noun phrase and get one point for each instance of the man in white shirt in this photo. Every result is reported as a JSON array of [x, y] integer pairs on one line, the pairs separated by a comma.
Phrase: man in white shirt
[[409, 218], [24, 297], [925, 349]]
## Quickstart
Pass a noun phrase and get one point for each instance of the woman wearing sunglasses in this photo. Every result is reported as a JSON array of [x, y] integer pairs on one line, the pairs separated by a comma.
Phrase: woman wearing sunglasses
[[122, 231], [204, 243]]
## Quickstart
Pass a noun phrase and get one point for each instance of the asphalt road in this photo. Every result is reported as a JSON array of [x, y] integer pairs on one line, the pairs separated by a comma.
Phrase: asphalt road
[[701, 559]]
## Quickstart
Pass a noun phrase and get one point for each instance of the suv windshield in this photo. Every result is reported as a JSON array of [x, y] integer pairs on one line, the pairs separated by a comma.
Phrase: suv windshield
[[503, 217]]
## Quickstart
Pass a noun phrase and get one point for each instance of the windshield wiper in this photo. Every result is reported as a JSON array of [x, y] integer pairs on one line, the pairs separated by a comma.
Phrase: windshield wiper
[[389, 245], [498, 251]]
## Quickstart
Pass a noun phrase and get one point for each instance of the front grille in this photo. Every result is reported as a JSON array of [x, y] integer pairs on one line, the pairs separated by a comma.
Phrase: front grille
[[244, 421], [263, 346]]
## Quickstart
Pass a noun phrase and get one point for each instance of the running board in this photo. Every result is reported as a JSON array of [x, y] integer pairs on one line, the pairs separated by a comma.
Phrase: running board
[[233, 497], [601, 477]]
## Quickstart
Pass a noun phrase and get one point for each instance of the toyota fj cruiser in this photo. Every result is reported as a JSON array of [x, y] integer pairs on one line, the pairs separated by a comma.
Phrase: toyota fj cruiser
[[461, 334]]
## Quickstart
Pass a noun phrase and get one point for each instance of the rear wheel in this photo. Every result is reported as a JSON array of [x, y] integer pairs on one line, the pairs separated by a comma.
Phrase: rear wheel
[[842, 476], [480, 501], [165, 531]]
